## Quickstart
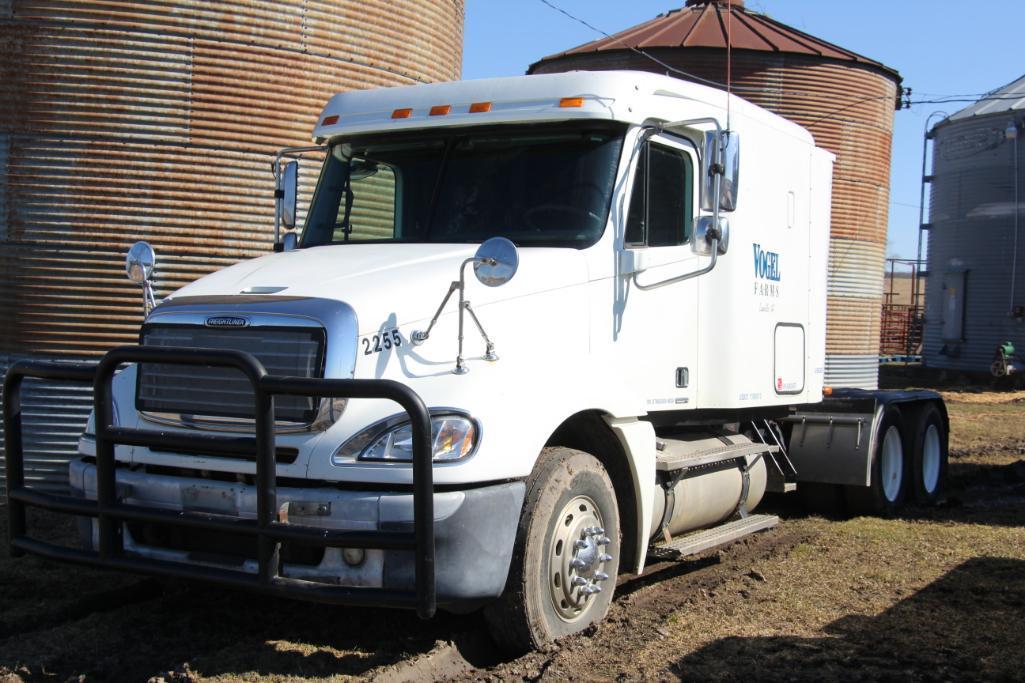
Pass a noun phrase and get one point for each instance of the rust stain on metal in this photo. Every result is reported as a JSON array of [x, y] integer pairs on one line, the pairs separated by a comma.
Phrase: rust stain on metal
[[156, 120]]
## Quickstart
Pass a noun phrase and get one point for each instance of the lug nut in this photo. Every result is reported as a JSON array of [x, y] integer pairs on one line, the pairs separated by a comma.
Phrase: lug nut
[[577, 563], [580, 545], [579, 581], [604, 540], [601, 576], [605, 557], [354, 557], [590, 590]]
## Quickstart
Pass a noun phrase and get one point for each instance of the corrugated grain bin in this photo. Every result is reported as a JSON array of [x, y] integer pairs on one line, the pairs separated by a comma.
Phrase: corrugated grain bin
[[975, 290], [157, 120], [847, 102]]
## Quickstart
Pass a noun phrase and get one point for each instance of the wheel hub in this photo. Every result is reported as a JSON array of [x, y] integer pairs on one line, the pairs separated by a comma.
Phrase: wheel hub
[[577, 557]]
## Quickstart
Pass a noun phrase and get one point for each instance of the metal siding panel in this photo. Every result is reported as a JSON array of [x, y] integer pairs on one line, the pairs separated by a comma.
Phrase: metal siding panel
[[972, 217], [858, 372], [157, 120], [855, 267], [53, 417]]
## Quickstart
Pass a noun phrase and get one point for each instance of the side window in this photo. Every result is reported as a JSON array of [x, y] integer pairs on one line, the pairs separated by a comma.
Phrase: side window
[[367, 212], [661, 205]]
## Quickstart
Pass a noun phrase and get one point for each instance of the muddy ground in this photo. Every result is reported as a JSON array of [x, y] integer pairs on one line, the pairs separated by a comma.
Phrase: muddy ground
[[934, 594]]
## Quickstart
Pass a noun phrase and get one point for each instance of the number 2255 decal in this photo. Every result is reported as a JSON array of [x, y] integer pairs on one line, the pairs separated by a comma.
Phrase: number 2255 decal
[[381, 342]]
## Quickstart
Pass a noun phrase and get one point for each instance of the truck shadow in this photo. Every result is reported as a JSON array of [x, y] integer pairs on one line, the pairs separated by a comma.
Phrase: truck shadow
[[986, 494], [965, 625]]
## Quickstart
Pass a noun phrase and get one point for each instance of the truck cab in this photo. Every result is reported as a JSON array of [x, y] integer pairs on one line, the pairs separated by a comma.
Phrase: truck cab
[[606, 310]]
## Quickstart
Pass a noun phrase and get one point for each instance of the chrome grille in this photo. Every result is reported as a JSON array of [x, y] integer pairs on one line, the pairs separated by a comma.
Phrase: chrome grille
[[197, 391]]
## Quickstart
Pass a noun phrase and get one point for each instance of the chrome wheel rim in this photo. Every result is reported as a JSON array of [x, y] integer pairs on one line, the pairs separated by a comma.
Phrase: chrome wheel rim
[[931, 459], [577, 558], [892, 466]]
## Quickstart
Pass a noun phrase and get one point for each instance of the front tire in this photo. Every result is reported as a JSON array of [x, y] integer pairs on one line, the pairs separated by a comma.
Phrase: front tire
[[566, 559]]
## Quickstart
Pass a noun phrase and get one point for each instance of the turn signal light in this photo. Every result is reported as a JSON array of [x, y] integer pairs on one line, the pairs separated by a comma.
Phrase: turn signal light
[[480, 107], [567, 102], [402, 113], [330, 120], [827, 391]]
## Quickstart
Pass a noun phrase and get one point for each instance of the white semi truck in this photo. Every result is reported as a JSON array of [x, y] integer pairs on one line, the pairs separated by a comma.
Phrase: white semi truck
[[534, 331]]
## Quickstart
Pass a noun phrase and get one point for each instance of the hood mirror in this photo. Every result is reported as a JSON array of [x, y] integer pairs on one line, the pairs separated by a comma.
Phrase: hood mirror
[[495, 262], [140, 263]]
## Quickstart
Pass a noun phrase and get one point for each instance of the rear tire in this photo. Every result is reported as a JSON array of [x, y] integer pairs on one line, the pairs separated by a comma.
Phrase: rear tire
[[890, 472], [566, 559], [929, 454]]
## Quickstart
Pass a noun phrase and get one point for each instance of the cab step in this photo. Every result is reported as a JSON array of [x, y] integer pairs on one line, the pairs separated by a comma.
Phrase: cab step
[[699, 541], [676, 454]]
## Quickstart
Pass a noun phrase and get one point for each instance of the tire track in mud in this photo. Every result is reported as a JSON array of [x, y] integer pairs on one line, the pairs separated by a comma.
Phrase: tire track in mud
[[641, 606]]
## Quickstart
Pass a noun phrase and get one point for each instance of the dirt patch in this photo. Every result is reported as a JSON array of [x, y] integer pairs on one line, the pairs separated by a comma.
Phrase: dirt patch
[[937, 593]]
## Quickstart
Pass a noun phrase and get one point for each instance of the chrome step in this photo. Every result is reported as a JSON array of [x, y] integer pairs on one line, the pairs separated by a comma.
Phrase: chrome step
[[680, 455], [699, 541]]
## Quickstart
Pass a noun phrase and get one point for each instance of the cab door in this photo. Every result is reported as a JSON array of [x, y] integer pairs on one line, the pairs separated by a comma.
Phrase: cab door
[[657, 329]]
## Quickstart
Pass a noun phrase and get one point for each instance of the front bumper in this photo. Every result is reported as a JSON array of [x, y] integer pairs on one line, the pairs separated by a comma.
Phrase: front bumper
[[475, 530], [224, 516]]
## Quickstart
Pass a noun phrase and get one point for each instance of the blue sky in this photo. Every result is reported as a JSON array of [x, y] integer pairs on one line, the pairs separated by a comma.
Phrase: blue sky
[[940, 47]]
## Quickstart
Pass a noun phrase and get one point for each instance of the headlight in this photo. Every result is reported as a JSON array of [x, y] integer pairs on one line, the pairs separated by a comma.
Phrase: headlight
[[453, 437]]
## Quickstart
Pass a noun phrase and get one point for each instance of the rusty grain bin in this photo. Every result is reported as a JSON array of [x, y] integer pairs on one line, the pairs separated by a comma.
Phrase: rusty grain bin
[[846, 101], [975, 289], [157, 120]]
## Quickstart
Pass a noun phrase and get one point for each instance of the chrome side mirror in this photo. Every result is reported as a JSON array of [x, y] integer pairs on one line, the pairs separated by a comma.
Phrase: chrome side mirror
[[288, 193], [140, 263], [704, 234], [495, 262], [721, 156]]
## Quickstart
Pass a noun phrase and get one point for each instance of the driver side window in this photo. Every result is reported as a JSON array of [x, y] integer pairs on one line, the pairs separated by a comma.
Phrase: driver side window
[[661, 204]]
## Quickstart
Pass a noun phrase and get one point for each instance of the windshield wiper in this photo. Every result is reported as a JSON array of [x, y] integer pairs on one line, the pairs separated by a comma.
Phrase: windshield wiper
[[346, 221]]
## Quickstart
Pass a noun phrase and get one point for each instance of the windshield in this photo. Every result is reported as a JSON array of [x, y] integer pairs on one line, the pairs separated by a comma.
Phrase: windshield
[[537, 186]]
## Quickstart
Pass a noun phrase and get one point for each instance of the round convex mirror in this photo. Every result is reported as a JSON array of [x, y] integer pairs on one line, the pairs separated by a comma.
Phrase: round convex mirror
[[140, 262], [497, 261]]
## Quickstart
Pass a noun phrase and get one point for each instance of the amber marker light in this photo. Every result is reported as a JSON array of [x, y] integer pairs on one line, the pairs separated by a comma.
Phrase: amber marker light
[[441, 109], [827, 391], [568, 102], [480, 107], [330, 120], [402, 113]]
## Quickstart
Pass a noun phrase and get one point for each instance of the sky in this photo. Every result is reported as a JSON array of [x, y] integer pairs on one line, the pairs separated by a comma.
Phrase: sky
[[940, 47]]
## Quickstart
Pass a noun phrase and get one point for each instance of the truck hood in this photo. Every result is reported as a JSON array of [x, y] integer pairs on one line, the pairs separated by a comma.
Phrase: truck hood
[[380, 281]]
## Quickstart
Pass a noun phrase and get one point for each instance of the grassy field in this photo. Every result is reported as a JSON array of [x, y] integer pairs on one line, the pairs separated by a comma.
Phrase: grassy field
[[934, 594]]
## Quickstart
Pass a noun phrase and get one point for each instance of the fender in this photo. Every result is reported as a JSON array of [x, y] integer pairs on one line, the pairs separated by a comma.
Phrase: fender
[[638, 441]]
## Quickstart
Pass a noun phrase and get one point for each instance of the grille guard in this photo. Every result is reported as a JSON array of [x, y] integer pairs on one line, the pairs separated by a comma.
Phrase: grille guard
[[269, 532]]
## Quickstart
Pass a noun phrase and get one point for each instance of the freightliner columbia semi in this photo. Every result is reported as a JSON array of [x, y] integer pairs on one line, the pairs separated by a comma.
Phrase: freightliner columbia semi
[[531, 332]]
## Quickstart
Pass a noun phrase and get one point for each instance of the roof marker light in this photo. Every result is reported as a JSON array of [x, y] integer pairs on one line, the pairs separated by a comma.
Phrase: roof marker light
[[330, 120], [567, 102], [480, 107], [402, 113], [441, 109]]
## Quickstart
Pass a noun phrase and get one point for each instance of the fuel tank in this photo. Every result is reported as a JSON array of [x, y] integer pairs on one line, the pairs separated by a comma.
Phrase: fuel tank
[[709, 493]]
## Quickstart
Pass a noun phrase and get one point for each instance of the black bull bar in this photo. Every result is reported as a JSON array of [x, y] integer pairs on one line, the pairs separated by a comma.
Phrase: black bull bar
[[268, 531]]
